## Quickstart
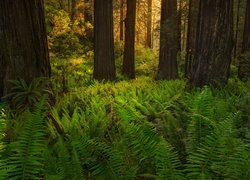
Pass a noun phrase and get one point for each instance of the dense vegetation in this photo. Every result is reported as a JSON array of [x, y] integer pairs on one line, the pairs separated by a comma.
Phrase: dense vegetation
[[153, 102], [126, 130]]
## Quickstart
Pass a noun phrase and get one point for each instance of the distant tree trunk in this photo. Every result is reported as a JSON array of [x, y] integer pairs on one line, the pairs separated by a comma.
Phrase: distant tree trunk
[[153, 29], [244, 64], [168, 40], [88, 14], [149, 24], [88, 19], [129, 48], [184, 33], [69, 6], [246, 33], [121, 20], [237, 29], [138, 21], [73, 10], [23, 48], [2, 59], [60, 4], [104, 64], [214, 43], [179, 29], [191, 36]]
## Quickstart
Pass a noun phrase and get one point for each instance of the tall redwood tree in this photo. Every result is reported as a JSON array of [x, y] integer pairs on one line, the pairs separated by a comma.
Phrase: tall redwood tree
[[193, 8], [23, 42], [129, 47], [244, 64], [246, 33], [121, 20], [214, 43], [104, 63], [149, 24], [169, 40]]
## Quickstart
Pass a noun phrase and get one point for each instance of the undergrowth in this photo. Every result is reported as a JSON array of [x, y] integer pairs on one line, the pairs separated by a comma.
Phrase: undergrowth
[[139, 129]]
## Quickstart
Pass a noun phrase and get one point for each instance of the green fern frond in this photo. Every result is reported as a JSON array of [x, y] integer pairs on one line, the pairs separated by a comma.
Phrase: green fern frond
[[26, 158], [142, 140], [238, 163], [216, 153], [24, 95], [109, 160], [127, 111], [3, 172], [201, 118], [167, 162], [63, 162]]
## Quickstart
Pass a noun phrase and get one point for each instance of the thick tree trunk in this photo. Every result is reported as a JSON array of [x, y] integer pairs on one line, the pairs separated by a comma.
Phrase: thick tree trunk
[[149, 24], [237, 28], [214, 43], [244, 65], [2, 60], [184, 33], [129, 48], [121, 20], [104, 64], [169, 41], [179, 29], [138, 11], [246, 33], [191, 36], [73, 10], [23, 48]]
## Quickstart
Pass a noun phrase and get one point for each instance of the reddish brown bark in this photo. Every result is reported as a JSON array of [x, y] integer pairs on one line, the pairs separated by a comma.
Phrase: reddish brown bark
[[23, 48], [169, 40], [214, 43], [191, 35], [129, 47], [121, 20], [149, 24], [104, 63]]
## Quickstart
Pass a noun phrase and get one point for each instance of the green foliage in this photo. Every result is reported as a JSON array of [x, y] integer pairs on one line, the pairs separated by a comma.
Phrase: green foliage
[[24, 157], [24, 95], [62, 34], [244, 67], [132, 130], [202, 110], [219, 155], [167, 162], [214, 147], [237, 87], [66, 46], [145, 60], [3, 119]]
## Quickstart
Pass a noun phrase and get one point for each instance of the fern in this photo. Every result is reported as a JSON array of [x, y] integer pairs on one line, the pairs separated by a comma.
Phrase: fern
[[168, 165], [3, 172], [24, 95], [131, 130], [25, 160], [67, 165], [216, 155], [109, 161], [237, 165], [201, 115]]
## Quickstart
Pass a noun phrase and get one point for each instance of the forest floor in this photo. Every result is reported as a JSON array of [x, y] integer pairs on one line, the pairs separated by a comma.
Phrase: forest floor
[[130, 129]]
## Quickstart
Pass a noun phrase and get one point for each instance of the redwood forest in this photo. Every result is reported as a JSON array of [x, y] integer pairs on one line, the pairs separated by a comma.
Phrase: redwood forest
[[124, 89]]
